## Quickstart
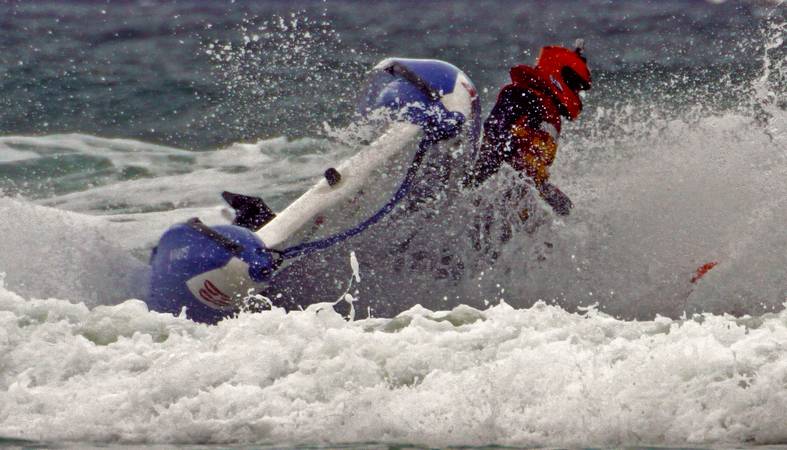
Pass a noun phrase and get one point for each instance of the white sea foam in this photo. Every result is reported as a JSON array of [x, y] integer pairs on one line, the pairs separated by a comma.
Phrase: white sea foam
[[11, 155], [528, 377], [48, 252], [177, 178]]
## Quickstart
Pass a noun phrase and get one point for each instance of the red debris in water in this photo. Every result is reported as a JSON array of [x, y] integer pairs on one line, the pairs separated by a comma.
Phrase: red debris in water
[[702, 270]]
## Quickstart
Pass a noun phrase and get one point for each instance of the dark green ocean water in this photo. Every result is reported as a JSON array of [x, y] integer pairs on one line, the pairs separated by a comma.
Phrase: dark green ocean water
[[139, 69]]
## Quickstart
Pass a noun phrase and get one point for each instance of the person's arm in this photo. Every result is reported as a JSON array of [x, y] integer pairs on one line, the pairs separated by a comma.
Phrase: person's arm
[[533, 149]]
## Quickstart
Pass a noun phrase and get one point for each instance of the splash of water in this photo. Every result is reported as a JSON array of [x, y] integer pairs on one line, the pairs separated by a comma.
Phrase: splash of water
[[277, 59], [659, 193]]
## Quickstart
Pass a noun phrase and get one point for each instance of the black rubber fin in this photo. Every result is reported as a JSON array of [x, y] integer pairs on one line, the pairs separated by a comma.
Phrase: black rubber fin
[[250, 212]]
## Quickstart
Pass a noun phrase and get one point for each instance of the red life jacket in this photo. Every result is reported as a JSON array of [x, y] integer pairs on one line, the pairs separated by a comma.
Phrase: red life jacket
[[547, 113]]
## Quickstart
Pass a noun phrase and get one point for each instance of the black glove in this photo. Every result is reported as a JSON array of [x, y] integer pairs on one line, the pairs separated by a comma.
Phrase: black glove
[[559, 201]]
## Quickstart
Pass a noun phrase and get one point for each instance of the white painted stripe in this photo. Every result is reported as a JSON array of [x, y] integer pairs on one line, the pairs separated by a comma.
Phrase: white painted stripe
[[355, 172], [459, 100]]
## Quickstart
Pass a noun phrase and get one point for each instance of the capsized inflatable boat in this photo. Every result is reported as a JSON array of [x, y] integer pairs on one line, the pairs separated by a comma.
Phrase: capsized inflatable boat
[[432, 124]]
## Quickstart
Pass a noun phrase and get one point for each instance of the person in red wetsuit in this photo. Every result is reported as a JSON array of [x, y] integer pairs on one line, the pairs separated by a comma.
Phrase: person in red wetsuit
[[524, 126]]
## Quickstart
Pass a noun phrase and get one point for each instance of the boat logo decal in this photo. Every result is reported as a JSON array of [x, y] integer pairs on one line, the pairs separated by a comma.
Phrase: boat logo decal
[[213, 295]]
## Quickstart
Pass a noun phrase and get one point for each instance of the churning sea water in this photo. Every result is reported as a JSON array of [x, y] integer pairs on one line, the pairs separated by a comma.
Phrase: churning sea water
[[118, 119]]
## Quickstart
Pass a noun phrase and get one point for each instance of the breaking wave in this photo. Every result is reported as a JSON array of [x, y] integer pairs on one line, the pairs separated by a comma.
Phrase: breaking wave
[[523, 377]]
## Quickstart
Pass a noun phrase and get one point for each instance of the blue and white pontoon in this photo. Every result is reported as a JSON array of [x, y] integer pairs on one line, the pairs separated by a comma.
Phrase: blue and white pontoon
[[300, 254]]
